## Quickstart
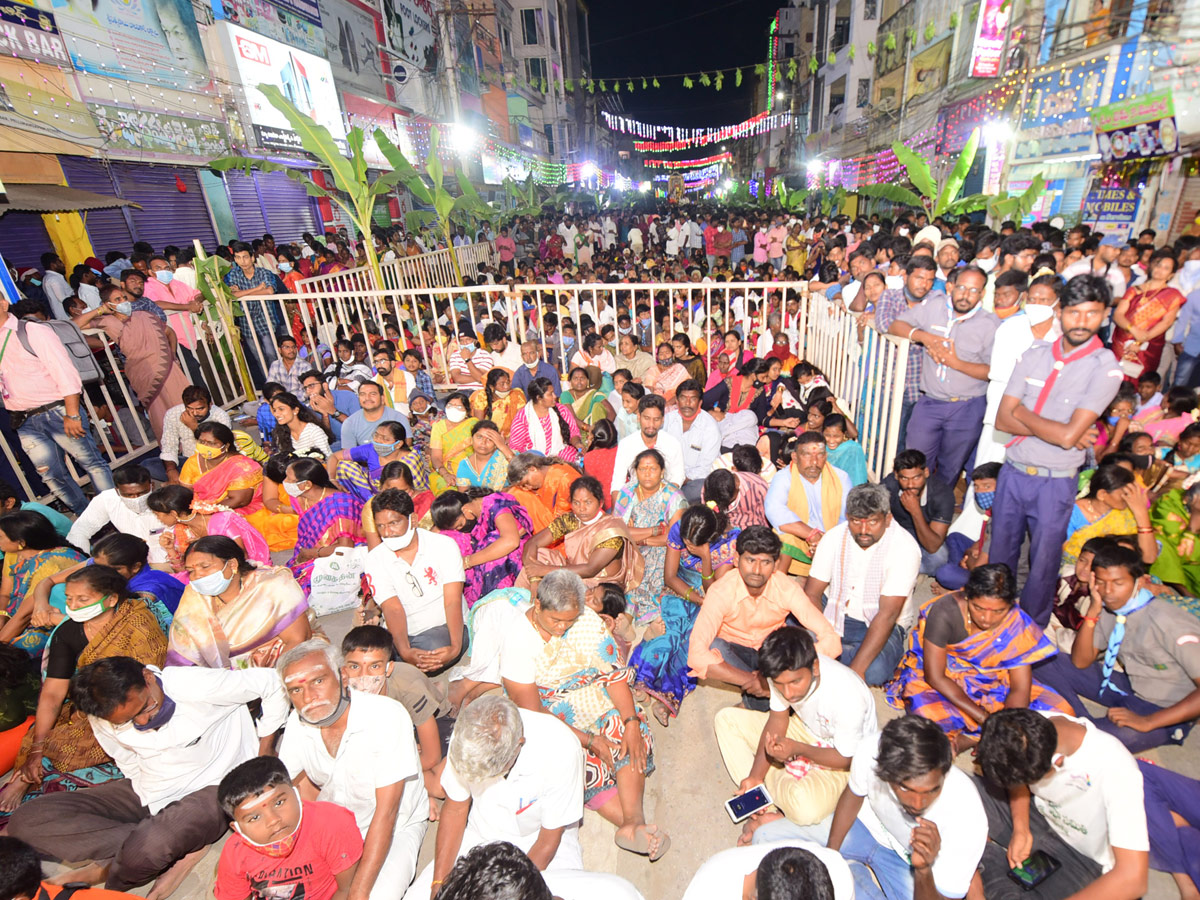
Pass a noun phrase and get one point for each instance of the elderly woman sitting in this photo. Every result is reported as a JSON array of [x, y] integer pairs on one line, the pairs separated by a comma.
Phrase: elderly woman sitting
[[972, 653], [558, 657]]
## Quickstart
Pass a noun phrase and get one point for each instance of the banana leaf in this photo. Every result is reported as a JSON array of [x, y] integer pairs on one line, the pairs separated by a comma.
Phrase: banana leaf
[[958, 176], [967, 204], [892, 192], [315, 139], [918, 170]]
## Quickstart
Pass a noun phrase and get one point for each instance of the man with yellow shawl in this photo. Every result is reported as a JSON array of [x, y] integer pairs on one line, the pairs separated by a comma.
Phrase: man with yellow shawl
[[805, 500]]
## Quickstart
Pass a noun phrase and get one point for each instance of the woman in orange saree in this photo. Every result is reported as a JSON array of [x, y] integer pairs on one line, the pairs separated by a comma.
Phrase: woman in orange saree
[[218, 475], [1144, 316]]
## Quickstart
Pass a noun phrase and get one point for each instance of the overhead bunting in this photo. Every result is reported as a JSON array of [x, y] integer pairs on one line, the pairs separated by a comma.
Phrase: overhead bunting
[[687, 138], [687, 163]]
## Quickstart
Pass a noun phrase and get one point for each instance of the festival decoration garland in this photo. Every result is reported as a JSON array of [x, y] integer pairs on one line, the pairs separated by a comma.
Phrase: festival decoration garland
[[687, 138], [687, 163]]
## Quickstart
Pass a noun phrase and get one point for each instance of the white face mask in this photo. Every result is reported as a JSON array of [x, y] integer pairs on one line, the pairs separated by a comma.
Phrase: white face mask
[[986, 264], [368, 684], [455, 414], [399, 543], [293, 488], [1038, 314], [894, 282], [87, 613], [137, 505]]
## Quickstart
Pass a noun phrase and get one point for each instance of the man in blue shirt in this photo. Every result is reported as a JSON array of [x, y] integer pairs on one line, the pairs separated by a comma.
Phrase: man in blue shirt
[[246, 280], [1187, 341], [334, 407], [534, 367]]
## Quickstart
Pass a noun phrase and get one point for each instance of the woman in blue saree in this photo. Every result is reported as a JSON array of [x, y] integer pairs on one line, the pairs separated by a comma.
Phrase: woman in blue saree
[[328, 518], [700, 549], [490, 529], [356, 469]]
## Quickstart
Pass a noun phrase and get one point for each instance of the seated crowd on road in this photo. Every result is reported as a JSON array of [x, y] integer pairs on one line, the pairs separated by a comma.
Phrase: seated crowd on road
[[568, 514]]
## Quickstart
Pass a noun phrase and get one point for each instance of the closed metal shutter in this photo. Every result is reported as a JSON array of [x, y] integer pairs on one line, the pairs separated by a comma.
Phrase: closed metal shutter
[[108, 229], [247, 211], [168, 215], [23, 239], [286, 206]]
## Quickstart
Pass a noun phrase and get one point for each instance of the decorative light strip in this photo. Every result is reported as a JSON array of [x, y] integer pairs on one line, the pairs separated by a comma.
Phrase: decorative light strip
[[700, 137], [687, 163]]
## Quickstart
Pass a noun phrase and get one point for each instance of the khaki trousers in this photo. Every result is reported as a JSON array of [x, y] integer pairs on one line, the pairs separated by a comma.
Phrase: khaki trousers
[[804, 801]]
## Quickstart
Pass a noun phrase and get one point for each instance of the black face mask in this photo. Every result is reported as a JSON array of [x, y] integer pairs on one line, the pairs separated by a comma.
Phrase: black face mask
[[1142, 461]]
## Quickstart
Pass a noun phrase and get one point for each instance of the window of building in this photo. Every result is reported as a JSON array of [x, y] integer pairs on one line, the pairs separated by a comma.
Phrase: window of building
[[789, 49], [529, 29], [864, 93], [870, 10], [535, 70], [553, 32], [549, 132], [506, 39]]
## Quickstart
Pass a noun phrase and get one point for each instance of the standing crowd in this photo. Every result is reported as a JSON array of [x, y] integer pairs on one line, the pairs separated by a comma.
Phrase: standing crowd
[[570, 509]]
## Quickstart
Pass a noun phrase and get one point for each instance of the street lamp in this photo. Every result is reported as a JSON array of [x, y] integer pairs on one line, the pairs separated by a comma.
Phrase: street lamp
[[588, 170], [463, 139], [997, 131]]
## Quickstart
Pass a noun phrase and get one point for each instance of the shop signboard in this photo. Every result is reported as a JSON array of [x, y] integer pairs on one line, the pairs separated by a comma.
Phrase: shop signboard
[[411, 27], [153, 133], [28, 33], [352, 40], [1112, 210], [990, 29], [1137, 128], [46, 102], [306, 80], [134, 40], [293, 22], [1056, 121]]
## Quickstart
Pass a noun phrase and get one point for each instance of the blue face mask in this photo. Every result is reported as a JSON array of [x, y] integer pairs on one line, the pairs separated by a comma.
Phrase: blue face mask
[[285, 266], [161, 716], [385, 449], [164, 275], [985, 499], [36, 282], [125, 308]]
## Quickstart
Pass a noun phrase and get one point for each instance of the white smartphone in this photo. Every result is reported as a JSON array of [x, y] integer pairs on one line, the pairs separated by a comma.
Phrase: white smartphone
[[745, 805]]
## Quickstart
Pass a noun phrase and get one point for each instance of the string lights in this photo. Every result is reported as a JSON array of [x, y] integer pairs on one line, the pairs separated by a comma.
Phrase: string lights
[[701, 137], [687, 163]]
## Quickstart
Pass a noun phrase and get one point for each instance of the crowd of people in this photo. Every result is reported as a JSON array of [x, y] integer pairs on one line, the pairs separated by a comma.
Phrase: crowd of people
[[570, 514]]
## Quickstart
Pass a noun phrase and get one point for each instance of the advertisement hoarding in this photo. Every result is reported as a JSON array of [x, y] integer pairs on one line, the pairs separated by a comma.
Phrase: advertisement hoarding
[[990, 28], [294, 22], [306, 80], [412, 33], [28, 33], [352, 39]]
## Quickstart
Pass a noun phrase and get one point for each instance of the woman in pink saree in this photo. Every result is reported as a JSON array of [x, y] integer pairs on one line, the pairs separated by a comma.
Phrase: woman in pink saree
[[188, 519], [148, 346]]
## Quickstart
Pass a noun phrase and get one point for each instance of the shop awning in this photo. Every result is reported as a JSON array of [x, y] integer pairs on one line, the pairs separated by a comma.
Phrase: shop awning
[[45, 198]]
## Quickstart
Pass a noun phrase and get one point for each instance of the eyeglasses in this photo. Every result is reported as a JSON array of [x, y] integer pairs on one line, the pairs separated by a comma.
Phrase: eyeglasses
[[967, 292], [414, 584]]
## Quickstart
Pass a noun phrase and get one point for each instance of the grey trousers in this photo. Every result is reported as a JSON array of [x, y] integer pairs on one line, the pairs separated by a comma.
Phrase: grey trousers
[[109, 822]]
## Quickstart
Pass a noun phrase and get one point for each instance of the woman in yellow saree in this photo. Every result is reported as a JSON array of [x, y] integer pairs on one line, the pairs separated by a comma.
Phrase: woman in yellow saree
[[218, 475], [450, 441], [1115, 504], [497, 400]]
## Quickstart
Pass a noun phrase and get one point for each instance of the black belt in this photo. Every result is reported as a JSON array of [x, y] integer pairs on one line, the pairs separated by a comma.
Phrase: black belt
[[19, 417]]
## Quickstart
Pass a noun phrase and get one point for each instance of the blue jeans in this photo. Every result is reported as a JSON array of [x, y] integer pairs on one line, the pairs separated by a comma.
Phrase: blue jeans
[[46, 443], [883, 666], [865, 855], [906, 410], [1185, 370], [931, 562], [746, 659]]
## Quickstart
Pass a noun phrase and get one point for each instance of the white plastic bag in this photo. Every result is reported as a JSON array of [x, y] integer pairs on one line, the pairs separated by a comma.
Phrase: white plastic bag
[[336, 580]]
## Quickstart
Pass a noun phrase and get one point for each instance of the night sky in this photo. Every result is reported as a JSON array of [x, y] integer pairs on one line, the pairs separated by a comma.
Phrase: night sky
[[650, 37]]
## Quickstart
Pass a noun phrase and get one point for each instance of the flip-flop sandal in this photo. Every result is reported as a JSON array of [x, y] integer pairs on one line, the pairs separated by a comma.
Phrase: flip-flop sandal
[[641, 845]]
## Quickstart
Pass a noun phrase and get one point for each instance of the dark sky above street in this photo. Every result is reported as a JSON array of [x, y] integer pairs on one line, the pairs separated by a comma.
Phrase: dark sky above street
[[652, 37]]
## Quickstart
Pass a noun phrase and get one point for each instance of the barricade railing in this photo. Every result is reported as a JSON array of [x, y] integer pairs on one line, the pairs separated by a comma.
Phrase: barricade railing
[[702, 311], [425, 270], [866, 370]]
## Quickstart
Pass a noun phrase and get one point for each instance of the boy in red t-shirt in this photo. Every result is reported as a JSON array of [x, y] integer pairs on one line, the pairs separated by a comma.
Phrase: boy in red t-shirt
[[283, 849]]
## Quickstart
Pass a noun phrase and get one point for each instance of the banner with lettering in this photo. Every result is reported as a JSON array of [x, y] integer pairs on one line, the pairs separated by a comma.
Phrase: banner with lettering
[[1138, 128], [1112, 210]]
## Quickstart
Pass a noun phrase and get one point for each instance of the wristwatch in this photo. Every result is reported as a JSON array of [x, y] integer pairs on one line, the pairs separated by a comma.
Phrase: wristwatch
[[65, 416]]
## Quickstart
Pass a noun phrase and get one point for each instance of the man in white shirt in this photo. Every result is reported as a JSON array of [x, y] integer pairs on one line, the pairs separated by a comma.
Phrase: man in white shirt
[[649, 436], [511, 775], [1087, 810], [908, 816], [568, 232], [469, 364], [174, 734], [179, 427], [55, 284], [697, 433], [766, 340], [820, 505], [416, 578], [801, 750], [1102, 263], [789, 870], [863, 573], [127, 508], [505, 354], [356, 750]]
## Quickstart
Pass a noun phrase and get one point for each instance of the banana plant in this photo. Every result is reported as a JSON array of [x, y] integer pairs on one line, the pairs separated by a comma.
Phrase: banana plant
[[210, 281], [1019, 206], [524, 197], [352, 192], [945, 200]]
